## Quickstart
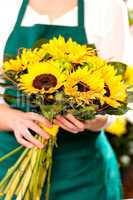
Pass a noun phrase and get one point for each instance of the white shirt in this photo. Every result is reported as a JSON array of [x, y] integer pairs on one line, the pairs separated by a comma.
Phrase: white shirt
[[106, 25]]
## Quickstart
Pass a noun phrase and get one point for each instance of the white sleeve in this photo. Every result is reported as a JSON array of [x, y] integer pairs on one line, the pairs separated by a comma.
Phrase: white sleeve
[[108, 27], [8, 16], [110, 120], [106, 23], [129, 116], [115, 40]]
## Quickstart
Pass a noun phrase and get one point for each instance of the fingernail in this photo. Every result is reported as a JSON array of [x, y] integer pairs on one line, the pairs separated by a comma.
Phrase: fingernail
[[41, 146], [55, 121], [31, 146], [58, 117], [75, 131], [50, 125], [47, 137]]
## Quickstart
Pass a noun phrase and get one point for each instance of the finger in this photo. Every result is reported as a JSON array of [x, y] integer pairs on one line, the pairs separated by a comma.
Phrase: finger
[[39, 118], [66, 123], [76, 122], [102, 117], [25, 143], [95, 124], [38, 130], [64, 127], [92, 126], [28, 136], [97, 119]]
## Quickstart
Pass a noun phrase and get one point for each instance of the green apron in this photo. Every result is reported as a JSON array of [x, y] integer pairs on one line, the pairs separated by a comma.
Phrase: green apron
[[84, 166]]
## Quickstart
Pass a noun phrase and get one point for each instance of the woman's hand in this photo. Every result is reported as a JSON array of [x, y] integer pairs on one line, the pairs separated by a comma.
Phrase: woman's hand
[[21, 123], [96, 124], [71, 124]]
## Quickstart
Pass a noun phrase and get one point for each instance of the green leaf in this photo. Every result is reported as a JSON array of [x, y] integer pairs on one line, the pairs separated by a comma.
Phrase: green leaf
[[8, 96], [11, 74], [130, 15], [5, 85], [130, 96], [93, 47], [50, 111], [120, 67], [39, 43], [8, 57], [117, 111], [85, 113], [59, 97]]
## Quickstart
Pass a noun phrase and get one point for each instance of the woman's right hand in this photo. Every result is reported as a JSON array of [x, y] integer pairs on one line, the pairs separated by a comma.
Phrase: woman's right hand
[[21, 123]]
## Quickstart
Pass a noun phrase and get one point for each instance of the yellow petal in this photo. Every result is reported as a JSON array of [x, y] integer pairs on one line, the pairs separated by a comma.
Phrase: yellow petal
[[51, 131], [118, 127]]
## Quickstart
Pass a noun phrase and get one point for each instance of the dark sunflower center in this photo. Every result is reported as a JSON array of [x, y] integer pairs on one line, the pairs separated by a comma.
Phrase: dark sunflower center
[[82, 87], [45, 81], [107, 94]]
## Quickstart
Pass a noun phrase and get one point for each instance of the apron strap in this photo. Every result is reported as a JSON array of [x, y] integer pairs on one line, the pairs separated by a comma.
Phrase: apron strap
[[21, 13], [81, 13]]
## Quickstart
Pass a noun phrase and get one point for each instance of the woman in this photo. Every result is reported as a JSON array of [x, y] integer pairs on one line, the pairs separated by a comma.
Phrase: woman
[[84, 164]]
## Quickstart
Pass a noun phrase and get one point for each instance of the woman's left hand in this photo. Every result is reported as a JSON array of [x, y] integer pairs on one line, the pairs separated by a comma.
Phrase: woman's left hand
[[96, 124], [71, 124]]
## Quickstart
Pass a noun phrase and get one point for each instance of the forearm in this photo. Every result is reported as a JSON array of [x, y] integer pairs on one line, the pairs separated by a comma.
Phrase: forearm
[[110, 120], [5, 111]]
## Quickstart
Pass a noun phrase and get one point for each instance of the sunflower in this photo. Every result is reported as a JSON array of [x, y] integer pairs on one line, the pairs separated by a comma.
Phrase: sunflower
[[23, 60], [95, 63], [128, 76], [45, 77], [77, 53], [13, 65], [69, 50], [29, 56], [56, 47], [115, 88], [84, 86]]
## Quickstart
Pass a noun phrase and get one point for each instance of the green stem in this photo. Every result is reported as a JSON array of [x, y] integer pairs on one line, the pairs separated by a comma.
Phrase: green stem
[[6, 77], [50, 157], [39, 172], [12, 169], [21, 173], [8, 155], [32, 174], [35, 180], [44, 112]]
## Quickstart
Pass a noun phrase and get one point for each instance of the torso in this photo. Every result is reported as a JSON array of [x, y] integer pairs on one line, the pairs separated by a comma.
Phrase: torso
[[84, 166]]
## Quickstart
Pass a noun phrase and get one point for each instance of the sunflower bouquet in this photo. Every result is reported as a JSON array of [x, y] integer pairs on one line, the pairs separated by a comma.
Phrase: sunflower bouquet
[[59, 77]]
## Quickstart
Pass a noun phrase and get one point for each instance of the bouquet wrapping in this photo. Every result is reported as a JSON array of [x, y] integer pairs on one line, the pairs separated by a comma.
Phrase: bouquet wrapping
[[60, 77]]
